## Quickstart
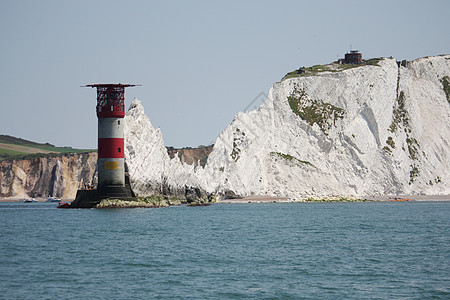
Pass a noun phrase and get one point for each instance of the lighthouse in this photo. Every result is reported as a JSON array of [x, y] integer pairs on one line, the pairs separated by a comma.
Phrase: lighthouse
[[110, 112]]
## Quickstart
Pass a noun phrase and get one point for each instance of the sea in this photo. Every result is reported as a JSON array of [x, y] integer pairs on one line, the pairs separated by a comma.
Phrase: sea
[[370, 250]]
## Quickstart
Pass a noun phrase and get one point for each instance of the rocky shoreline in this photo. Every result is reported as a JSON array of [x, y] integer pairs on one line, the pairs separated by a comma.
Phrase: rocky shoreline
[[380, 198], [151, 202], [159, 201]]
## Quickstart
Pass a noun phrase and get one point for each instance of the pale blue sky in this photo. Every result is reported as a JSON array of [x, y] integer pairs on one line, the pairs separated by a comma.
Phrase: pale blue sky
[[199, 62]]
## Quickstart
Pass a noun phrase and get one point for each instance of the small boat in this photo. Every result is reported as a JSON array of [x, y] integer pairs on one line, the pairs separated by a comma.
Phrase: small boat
[[63, 205], [198, 204], [52, 199], [396, 199], [29, 200]]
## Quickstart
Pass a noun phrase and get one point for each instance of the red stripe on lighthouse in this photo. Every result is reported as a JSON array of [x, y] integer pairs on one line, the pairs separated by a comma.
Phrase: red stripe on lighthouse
[[111, 148]]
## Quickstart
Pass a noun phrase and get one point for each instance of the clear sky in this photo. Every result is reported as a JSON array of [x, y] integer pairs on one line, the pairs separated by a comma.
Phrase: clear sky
[[199, 62]]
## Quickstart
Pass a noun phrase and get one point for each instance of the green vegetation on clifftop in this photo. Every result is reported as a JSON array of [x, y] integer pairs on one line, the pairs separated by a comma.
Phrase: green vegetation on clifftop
[[333, 67], [12, 148]]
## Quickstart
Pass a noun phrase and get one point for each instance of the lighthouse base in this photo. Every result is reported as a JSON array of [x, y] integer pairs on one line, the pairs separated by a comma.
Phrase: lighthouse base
[[90, 198]]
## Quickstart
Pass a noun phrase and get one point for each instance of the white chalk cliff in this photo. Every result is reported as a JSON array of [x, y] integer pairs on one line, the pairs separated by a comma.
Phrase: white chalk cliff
[[371, 129], [149, 166]]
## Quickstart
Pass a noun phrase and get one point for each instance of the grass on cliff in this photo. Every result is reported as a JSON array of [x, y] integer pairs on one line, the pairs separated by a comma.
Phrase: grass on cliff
[[12, 148], [332, 67], [314, 111], [446, 86], [288, 157]]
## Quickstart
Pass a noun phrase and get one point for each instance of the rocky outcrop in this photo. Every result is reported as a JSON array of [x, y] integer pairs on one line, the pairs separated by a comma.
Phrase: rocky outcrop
[[372, 129], [151, 170], [191, 156], [59, 176]]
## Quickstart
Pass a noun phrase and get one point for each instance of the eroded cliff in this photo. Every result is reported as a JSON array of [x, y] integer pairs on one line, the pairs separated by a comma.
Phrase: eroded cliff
[[58, 176], [381, 128]]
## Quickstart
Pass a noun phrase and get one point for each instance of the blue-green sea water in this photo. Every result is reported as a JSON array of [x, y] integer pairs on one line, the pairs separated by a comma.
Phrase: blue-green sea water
[[227, 251]]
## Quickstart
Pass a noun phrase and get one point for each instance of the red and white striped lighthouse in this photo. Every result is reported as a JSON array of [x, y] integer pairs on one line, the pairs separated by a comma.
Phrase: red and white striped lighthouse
[[110, 114]]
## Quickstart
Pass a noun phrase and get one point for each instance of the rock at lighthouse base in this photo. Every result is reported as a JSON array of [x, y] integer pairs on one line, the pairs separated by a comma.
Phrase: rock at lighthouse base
[[91, 198]]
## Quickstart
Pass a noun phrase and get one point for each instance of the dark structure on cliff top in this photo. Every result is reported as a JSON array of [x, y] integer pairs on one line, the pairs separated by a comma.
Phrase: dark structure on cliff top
[[353, 57], [110, 164]]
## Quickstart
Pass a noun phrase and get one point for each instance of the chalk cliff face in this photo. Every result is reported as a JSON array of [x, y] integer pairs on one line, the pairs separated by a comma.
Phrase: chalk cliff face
[[150, 168], [373, 129], [59, 176]]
